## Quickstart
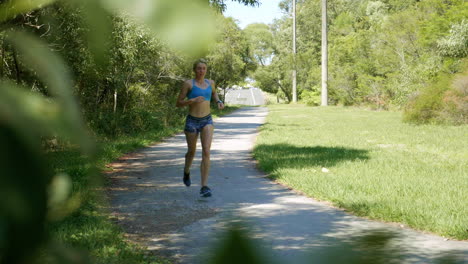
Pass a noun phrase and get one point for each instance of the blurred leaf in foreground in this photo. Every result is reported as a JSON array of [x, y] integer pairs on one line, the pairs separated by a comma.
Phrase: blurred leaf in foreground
[[23, 182], [12, 8], [188, 26], [237, 247], [63, 117]]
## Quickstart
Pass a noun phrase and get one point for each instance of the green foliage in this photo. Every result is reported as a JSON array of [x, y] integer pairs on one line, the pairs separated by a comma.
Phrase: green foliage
[[24, 181], [266, 79], [374, 58], [10, 9], [274, 79], [310, 98], [229, 58], [440, 16], [26, 117], [54, 74], [131, 122], [425, 106], [237, 247], [444, 101], [221, 6], [260, 42], [455, 102], [456, 43]]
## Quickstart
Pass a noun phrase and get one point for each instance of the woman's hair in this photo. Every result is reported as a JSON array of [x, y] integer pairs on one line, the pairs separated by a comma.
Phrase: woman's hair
[[198, 62]]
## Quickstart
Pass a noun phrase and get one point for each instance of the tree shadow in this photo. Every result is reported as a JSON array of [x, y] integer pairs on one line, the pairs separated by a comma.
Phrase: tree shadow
[[277, 156]]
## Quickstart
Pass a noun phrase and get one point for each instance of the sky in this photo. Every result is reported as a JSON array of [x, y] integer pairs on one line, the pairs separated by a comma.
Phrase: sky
[[265, 13]]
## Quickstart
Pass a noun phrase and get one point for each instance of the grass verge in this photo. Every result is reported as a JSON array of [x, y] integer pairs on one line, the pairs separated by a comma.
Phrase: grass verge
[[371, 164], [89, 228]]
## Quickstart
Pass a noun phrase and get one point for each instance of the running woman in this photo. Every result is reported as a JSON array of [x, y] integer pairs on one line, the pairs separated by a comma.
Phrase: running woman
[[197, 94]]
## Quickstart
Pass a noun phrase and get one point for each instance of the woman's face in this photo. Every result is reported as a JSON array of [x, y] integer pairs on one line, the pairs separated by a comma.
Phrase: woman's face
[[200, 70]]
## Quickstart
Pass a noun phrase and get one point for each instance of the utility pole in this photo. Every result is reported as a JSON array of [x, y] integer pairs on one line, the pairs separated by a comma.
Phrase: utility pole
[[324, 54], [294, 89]]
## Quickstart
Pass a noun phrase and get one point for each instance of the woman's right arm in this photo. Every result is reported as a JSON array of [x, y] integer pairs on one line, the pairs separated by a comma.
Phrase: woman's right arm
[[181, 102]]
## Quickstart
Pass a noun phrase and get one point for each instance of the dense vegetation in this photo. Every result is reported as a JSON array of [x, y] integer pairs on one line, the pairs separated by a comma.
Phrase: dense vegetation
[[136, 90], [385, 54]]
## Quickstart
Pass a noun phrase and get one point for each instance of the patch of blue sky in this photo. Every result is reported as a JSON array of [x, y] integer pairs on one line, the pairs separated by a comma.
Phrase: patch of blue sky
[[266, 12]]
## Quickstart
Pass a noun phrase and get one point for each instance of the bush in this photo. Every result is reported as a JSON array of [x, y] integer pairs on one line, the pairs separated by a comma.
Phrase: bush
[[455, 102], [130, 122], [310, 98], [446, 101], [425, 106]]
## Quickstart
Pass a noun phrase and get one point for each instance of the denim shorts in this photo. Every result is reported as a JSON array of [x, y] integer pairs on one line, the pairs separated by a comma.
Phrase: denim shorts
[[196, 124]]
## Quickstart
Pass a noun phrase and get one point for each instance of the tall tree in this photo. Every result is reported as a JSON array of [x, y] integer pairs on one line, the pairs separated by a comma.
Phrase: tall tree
[[221, 4], [260, 41], [229, 57]]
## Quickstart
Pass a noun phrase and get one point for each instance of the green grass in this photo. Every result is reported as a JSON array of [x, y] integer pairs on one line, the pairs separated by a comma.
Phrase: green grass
[[379, 167], [90, 228]]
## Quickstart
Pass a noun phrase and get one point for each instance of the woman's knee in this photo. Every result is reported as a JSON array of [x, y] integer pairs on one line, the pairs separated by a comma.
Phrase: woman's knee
[[206, 153], [190, 152]]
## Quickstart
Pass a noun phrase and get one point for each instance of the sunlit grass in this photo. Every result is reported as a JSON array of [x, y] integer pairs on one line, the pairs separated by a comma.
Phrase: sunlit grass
[[90, 228], [378, 167]]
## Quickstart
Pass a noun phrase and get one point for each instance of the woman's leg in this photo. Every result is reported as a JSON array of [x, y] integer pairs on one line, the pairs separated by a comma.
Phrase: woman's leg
[[191, 138], [206, 138]]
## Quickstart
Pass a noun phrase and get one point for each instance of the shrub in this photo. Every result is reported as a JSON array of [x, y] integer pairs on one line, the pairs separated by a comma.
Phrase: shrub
[[424, 106], [130, 122], [455, 102], [445, 101], [310, 98]]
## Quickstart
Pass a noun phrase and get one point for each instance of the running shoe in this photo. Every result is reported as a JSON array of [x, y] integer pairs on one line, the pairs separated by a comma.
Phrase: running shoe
[[186, 179], [205, 191]]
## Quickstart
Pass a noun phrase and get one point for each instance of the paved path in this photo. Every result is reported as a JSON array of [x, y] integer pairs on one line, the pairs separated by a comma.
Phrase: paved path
[[149, 200]]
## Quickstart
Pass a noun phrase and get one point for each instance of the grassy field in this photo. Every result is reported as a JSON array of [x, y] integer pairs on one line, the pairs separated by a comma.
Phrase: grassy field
[[89, 227], [371, 164]]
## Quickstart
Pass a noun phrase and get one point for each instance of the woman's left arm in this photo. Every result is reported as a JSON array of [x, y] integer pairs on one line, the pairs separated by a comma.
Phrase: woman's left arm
[[215, 95]]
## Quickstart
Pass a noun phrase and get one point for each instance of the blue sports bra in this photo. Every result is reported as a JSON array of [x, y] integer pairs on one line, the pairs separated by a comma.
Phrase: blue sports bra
[[197, 91]]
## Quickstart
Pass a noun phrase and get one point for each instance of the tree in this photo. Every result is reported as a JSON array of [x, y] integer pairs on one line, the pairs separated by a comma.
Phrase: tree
[[221, 6], [229, 57], [274, 78], [456, 43], [260, 41]]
